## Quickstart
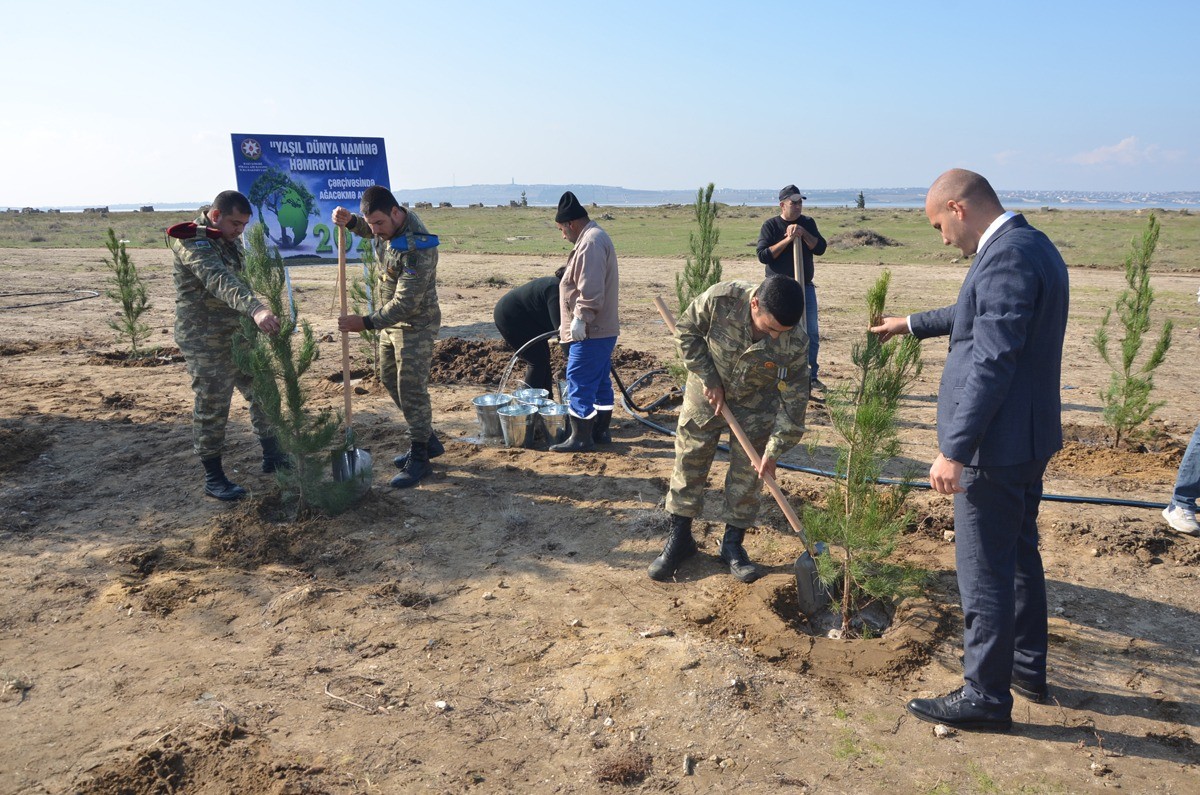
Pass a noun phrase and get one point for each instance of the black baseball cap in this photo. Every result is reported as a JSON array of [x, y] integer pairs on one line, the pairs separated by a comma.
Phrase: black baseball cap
[[791, 193]]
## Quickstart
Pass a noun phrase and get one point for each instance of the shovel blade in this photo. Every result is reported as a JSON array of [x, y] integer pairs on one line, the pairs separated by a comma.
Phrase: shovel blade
[[353, 465], [811, 595]]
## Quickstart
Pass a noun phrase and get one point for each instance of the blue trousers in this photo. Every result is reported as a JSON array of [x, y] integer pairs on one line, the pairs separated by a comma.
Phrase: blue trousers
[[813, 328], [588, 384], [1000, 579], [1187, 482]]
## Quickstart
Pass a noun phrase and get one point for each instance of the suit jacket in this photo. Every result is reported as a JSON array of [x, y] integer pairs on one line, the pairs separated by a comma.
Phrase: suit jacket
[[999, 401]]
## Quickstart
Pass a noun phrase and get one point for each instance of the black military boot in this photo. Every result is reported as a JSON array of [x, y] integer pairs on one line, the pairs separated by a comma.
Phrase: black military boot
[[580, 440], [679, 547], [416, 468], [216, 484], [600, 434], [273, 456], [734, 554], [436, 448]]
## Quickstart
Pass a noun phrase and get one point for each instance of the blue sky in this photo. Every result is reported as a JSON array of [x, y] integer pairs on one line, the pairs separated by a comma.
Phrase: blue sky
[[136, 101]]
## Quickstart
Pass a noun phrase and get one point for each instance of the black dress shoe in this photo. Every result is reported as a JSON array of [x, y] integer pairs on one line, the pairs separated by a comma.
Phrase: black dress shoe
[[955, 709], [1028, 689]]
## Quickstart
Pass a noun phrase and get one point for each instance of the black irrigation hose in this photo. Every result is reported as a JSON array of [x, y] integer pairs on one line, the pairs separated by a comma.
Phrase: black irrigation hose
[[627, 403], [89, 294]]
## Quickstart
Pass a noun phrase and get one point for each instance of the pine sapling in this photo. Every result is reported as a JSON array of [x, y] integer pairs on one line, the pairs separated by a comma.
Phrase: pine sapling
[[363, 289], [863, 519], [703, 268], [1127, 403], [129, 291], [277, 365]]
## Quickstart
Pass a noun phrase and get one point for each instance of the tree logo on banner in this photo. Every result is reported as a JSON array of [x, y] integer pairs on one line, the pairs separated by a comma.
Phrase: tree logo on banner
[[289, 201]]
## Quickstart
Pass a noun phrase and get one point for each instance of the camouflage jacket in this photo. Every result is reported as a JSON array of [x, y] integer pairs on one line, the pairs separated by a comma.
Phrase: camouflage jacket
[[409, 295], [210, 295], [767, 378]]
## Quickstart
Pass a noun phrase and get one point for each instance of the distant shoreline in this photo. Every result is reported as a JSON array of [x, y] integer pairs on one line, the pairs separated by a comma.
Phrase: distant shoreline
[[609, 196]]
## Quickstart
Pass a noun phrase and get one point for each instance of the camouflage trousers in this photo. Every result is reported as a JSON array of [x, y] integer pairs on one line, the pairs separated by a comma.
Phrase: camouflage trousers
[[214, 377], [405, 359], [696, 439]]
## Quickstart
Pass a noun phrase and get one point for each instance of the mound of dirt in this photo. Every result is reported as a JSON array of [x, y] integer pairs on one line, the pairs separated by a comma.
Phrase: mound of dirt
[[224, 758], [257, 533], [860, 238], [473, 361], [154, 357], [466, 361], [766, 618]]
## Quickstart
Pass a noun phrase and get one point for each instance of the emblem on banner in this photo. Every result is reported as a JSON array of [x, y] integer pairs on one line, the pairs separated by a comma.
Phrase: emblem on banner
[[251, 149]]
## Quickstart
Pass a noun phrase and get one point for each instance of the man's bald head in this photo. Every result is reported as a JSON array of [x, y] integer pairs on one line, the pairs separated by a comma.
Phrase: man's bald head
[[965, 187], [961, 205]]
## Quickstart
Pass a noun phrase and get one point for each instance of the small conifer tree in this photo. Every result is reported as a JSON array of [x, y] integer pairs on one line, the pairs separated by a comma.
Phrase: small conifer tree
[[703, 268], [863, 519], [277, 365], [1127, 403], [129, 291], [861, 201], [363, 289]]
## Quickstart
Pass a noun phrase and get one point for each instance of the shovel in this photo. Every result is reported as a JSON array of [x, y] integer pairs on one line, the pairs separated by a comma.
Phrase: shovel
[[812, 596], [351, 464]]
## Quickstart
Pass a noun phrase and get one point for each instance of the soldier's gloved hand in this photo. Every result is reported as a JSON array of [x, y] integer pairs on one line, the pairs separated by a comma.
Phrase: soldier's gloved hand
[[266, 321], [578, 329]]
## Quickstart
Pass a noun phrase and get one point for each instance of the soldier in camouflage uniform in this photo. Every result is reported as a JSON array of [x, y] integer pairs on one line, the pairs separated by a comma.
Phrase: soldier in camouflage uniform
[[743, 350], [210, 299], [409, 318]]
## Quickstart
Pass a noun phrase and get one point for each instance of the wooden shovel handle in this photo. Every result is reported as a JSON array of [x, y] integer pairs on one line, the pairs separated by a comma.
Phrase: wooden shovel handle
[[797, 267], [751, 453], [341, 247]]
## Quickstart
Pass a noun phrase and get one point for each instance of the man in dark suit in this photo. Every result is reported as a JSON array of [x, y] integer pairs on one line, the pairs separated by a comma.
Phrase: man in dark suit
[[999, 422]]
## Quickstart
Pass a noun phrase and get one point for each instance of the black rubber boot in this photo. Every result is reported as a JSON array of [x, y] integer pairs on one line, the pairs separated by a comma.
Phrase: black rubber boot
[[679, 547], [600, 434], [216, 484], [580, 440], [273, 456], [435, 445], [734, 555], [415, 469]]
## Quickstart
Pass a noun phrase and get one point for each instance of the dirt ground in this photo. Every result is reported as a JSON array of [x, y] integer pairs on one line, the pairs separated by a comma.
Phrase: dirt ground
[[494, 630]]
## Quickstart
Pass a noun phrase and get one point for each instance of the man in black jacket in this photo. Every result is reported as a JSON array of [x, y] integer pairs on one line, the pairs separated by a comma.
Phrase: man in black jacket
[[525, 313], [775, 242]]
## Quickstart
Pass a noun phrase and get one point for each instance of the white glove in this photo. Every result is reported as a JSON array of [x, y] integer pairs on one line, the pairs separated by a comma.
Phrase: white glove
[[578, 329]]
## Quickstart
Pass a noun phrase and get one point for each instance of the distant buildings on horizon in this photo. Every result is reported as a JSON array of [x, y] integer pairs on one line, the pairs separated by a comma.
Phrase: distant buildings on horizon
[[548, 195]]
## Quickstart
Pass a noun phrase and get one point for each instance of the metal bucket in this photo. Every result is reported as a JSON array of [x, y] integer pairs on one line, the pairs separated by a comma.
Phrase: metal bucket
[[530, 395], [487, 409], [518, 422], [554, 420]]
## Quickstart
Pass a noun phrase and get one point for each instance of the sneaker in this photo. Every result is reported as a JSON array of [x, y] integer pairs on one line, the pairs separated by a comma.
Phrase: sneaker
[[1181, 520], [817, 385]]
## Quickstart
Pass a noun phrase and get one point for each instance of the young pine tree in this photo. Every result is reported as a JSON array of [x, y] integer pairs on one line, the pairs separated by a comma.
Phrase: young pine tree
[[129, 291], [363, 288], [703, 268], [1127, 403], [862, 518], [277, 365]]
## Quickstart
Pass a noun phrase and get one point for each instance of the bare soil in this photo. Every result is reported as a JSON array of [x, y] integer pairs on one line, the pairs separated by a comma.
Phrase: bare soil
[[494, 630]]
